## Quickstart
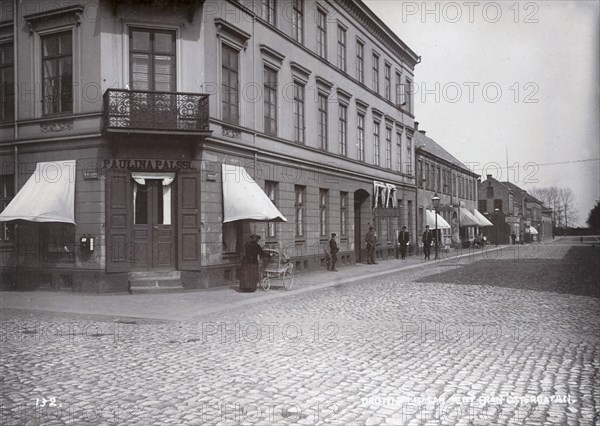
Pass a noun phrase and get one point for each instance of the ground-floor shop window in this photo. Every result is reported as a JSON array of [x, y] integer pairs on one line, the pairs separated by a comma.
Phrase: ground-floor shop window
[[58, 242]]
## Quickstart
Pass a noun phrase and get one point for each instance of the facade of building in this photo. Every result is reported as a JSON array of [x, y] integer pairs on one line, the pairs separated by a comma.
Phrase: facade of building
[[441, 174], [160, 104]]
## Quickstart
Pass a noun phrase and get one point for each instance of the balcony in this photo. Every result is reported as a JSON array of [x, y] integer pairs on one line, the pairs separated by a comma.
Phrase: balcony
[[138, 111]]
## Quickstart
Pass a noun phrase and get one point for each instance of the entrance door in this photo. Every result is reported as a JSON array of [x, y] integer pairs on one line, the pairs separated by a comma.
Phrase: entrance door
[[153, 229]]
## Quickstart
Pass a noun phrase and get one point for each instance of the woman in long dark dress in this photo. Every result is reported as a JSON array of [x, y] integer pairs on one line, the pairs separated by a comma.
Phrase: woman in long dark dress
[[250, 269]]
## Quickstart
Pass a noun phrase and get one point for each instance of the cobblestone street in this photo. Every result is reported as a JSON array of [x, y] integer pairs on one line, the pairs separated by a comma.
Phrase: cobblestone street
[[508, 339]]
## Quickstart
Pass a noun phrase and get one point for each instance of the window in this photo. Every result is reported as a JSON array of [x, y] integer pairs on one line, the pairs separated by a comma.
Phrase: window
[[438, 180], [341, 48], [360, 140], [376, 159], [427, 177], [322, 128], [152, 60], [7, 88], [497, 204], [298, 21], [343, 213], [58, 242], [270, 103], [322, 33], [230, 84], [299, 204], [454, 185], [398, 89], [269, 11], [7, 192], [399, 151], [360, 61], [343, 129], [271, 191], [420, 177], [323, 200], [408, 95], [298, 112], [387, 85], [388, 147], [57, 73], [489, 192], [482, 206], [375, 73], [409, 158]]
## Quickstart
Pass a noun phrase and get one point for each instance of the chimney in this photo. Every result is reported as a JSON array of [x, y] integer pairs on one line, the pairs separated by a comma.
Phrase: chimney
[[489, 177], [417, 126], [422, 131]]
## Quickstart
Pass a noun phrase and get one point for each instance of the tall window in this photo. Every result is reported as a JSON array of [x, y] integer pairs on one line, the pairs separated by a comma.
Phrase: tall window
[[398, 89], [360, 139], [343, 129], [482, 206], [57, 73], [341, 48], [427, 177], [387, 74], [270, 101], [498, 204], [7, 88], [298, 112], [271, 191], [299, 204], [490, 192], [376, 159], [399, 151], [438, 179], [408, 95], [321, 33], [409, 157], [230, 84], [322, 128], [388, 147], [360, 61], [343, 213], [323, 201], [375, 73], [269, 11], [152, 59], [298, 20], [420, 176], [7, 192]]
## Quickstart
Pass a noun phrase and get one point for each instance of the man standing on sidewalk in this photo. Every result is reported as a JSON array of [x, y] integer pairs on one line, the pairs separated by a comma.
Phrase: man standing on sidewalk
[[427, 238], [371, 240], [333, 249], [403, 241]]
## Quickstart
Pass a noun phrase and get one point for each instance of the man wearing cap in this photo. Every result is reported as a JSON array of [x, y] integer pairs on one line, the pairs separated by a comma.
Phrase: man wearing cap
[[333, 249], [403, 241], [427, 238], [371, 240], [250, 271]]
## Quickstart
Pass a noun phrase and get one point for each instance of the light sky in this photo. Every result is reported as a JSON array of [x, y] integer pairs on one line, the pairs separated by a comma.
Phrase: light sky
[[528, 74]]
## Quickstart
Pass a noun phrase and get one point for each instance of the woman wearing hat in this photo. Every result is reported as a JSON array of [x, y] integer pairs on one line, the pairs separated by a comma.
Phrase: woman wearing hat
[[250, 271]]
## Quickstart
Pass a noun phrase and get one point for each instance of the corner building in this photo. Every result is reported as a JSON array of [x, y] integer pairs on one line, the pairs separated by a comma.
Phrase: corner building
[[159, 104]]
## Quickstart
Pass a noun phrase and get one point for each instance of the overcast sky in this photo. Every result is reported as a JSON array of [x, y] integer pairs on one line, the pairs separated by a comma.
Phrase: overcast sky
[[521, 77]]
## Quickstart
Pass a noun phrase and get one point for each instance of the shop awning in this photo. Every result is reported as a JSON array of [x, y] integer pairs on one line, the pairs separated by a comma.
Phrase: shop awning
[[244, 199], [48, 195], [533, 231], [466, 218], [441, 222], [483, 221]]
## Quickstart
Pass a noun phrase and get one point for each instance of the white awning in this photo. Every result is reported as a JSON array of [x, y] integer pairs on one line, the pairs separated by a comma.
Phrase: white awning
[[467, 219], [441, 222], [533, 231], [244, 199], [48, 195], [483, 221]]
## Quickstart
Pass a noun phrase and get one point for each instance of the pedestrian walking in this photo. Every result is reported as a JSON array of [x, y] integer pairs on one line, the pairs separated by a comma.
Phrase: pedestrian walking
[[250, 272], [427, 239], [403, 240], [513, 237], [333, 249], [371, 240]]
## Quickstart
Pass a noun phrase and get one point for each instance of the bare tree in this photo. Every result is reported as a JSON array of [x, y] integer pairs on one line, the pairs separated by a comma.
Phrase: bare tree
[[561, 201]]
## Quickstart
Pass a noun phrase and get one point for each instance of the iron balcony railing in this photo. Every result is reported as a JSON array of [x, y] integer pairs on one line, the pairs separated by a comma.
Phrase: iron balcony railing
[[139, 110]]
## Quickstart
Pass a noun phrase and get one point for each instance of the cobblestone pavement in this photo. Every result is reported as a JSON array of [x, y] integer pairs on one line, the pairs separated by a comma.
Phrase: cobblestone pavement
[[398, 349]]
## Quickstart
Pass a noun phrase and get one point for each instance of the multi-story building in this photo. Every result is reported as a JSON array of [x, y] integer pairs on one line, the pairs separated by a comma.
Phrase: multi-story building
[[440, 174], [152, 109]]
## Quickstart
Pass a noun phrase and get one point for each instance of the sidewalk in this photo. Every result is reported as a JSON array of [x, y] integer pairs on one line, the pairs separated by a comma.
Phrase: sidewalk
[[190, 304]]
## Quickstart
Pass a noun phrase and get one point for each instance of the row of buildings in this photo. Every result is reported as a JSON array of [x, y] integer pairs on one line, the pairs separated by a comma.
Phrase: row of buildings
[[138, 138]]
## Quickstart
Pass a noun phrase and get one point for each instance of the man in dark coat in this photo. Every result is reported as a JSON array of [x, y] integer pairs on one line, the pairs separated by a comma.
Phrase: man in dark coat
[[250, 272], [333, 249], [371, 240], [427, 238], [403, 241]]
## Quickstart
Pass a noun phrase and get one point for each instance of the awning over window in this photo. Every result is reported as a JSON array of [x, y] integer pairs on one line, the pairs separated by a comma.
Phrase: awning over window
[[467, 219], [483, 221], [532, 230], [244, 199], [441, 222], [48, 195]]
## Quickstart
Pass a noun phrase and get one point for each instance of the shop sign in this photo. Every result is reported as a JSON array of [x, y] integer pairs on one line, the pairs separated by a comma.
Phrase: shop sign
[[140, 164]]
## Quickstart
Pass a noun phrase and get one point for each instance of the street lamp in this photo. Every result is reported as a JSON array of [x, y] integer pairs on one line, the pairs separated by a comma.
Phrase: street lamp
[[436, 202], [496, 211]]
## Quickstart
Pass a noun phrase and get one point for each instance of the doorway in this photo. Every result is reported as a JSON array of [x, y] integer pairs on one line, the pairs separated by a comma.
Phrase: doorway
[[360, 196]]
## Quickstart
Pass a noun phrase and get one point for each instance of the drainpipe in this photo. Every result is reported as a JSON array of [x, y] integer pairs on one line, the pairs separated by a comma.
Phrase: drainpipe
[[16, 131]]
